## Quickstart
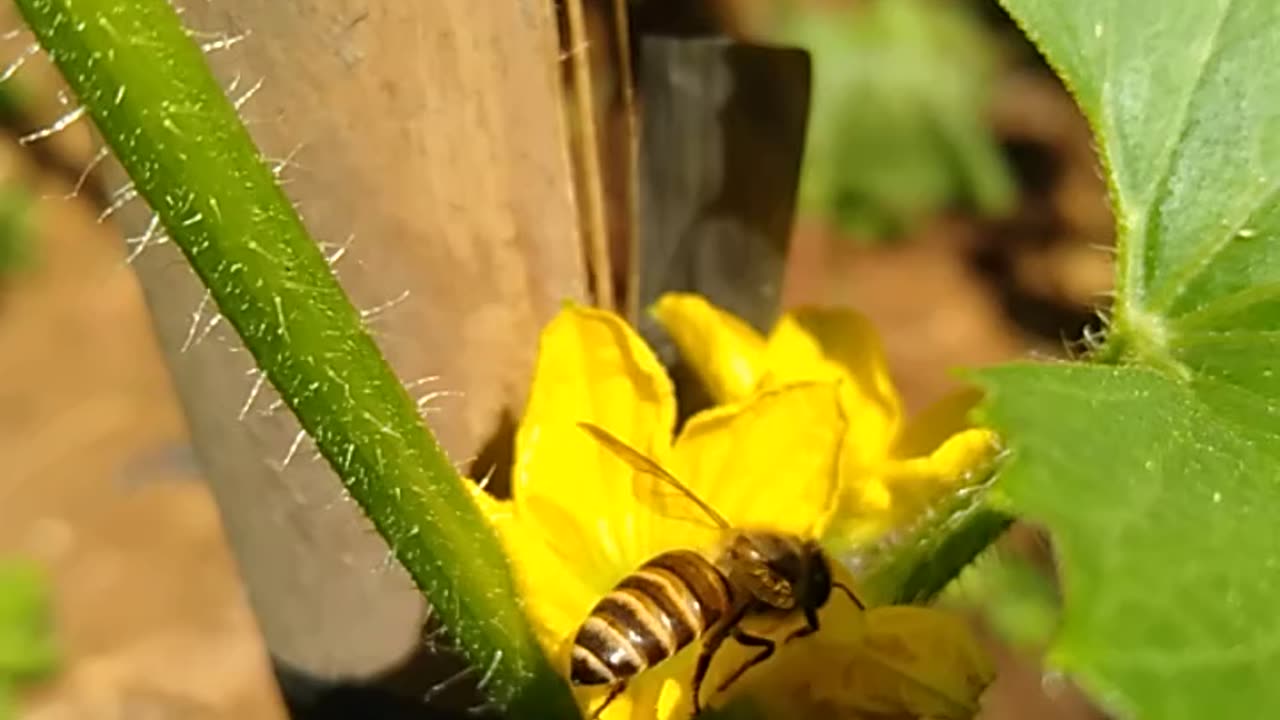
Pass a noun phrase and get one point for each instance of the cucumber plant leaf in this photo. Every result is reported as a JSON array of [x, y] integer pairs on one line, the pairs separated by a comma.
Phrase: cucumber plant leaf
[[1157, 467]]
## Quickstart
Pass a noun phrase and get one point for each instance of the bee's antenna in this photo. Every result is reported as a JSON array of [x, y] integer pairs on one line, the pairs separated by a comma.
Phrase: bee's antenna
[[852, 596]]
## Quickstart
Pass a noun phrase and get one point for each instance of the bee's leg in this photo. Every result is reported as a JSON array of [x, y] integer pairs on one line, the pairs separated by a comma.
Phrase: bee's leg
[[810, 625], [767, 646], [709, 648], [613, 695]]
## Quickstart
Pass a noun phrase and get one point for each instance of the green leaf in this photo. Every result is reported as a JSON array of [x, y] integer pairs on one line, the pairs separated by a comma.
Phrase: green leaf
[[146, 86], [1157, 473], [26, 632]]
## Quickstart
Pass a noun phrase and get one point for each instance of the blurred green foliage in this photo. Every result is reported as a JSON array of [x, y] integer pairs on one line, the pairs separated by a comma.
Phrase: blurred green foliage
[[1017, 598], [898, 129], [15, 228], [26, 636], [15, 201]]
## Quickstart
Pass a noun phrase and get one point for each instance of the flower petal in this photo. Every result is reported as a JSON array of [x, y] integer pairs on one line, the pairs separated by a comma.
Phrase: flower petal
[[875, 500], [890, 662], [905, 662], [820, 344], [963, 459], [555, 599], [591, 367], [771, 462], [926, 431], [725, 352], [866, 509]]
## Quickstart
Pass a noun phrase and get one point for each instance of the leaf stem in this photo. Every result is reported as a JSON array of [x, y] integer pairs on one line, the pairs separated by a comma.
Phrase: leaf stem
[[916, 563], [146, 86]]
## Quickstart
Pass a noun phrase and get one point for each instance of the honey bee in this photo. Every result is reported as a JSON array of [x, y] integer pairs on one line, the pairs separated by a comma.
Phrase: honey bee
[[681, 596]]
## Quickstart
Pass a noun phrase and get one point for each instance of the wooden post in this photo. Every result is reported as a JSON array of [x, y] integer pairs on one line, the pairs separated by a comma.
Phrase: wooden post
[[430, 135]]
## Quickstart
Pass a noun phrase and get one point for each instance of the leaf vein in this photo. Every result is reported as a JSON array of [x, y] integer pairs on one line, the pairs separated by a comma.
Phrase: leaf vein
[[1189, 271], [1212, 337], [1169, 153], [1239, 300]]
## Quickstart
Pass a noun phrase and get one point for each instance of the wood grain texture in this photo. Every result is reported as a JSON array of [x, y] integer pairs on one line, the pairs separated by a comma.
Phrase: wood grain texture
[[430, 132]]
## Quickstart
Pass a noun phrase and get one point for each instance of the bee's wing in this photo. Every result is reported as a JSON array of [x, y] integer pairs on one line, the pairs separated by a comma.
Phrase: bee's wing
[[656, 487]]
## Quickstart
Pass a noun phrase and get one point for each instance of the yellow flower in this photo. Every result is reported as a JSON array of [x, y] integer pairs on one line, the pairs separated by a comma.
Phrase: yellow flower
[[891, 469], [580, 520]]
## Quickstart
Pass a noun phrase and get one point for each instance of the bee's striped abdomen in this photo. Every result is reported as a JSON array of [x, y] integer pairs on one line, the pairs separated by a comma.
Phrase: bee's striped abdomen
[[648, 617]]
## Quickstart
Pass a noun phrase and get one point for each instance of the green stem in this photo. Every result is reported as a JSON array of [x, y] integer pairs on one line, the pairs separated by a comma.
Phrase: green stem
[[915, 563], [146, 85]]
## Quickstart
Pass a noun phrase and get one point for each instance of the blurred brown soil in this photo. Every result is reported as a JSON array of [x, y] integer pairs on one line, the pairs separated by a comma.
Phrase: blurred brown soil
[[98, 486]]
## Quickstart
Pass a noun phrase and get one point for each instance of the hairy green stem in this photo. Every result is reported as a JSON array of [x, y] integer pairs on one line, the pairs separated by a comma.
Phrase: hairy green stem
[[146, 86], [913, 564]]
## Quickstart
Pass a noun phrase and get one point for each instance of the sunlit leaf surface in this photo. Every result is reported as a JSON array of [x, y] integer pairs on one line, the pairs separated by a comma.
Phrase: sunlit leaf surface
[[1157, 473]]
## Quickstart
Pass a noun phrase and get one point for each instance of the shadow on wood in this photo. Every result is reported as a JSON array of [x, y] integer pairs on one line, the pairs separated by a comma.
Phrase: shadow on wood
[[722, 139]]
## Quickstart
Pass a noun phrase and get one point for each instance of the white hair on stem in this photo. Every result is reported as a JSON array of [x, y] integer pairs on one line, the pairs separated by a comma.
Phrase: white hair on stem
[[63, 122], [16, 64], [150, 237]]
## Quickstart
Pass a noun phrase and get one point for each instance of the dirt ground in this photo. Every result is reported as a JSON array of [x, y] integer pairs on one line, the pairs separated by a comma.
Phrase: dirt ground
[[101, 489]]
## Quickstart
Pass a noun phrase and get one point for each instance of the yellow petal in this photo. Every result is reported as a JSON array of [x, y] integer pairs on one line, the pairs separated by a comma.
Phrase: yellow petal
[[963, 459], [770, 462], [725, 352], [627, 706], [885, 662], [814, 344], [908, 661], [929, 429], [591, 367], [893, 661], [554, 597], [867, 509], [878, 499]]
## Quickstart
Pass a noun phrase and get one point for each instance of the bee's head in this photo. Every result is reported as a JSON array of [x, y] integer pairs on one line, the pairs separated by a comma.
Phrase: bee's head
[[781, 570], [815, 589]]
